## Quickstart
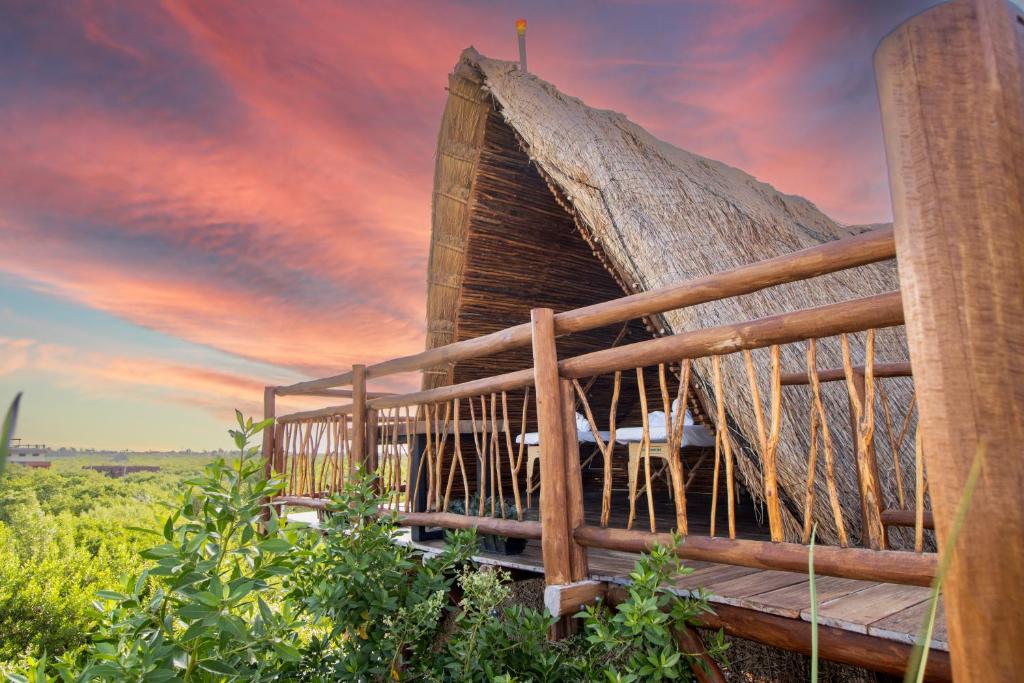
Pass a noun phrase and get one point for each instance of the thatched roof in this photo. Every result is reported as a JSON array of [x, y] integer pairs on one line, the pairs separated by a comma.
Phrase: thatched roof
[[540, 200]]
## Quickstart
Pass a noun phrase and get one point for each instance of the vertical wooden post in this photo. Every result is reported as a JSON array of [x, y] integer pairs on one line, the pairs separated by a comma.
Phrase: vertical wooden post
[[269, 407], [555, 537], [872, 530], [269, 401], [372, 441], [359, 415], [951, 85], [573, 481]]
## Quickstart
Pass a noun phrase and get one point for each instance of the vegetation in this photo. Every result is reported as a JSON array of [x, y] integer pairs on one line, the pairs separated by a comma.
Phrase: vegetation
[[231, 593], [66, 533]]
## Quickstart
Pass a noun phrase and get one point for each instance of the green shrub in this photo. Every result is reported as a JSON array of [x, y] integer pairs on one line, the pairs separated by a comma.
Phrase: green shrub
[[231, 594]]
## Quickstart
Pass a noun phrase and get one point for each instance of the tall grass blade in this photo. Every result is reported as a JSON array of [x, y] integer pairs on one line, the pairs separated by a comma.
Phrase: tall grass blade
[[814, 608], [919, 656], [8, 431]]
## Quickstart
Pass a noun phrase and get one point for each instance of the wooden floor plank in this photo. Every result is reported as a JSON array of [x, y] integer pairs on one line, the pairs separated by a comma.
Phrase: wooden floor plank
[[792, 600], [713, 573], [885, 611], [905, 625], [752, 584], [855, 611]]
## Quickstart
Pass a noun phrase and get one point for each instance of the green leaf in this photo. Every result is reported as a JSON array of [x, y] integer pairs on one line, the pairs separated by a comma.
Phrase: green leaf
[[287, 652], [111, 595], [275, 545], [159, 552], [218, 667]]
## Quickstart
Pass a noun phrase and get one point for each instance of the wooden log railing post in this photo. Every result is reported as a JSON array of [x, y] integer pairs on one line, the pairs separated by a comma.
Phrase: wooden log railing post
[[555, 535], [372, 443], [269, 400], [872, 529], [951, 85], [573, 481], [358, 415]]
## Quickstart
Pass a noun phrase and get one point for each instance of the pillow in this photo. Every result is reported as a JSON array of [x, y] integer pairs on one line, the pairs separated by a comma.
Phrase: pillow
[[656, 418], [688, 418], [582, 423]]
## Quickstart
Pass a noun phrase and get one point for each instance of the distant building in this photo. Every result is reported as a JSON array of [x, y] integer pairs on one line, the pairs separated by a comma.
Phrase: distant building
[[29, 455], [118, 471]]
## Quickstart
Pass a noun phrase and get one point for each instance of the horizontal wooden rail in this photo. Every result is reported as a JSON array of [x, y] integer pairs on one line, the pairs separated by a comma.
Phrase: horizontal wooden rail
[[869, 247], [319, 412], [329, 393], [889, 566], [883, 310], [834, 644], [839, 375], [445, 520], [510, 381], [906, 518]]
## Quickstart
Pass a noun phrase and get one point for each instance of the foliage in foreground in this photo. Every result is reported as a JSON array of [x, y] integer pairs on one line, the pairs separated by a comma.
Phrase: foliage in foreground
[[66, 533], [232, 594]]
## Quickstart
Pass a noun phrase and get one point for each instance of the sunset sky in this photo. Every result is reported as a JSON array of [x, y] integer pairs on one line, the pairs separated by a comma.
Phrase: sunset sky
[[200, 198]]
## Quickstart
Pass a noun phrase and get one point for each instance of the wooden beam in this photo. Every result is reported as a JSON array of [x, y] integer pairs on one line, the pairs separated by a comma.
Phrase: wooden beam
[[834, 644], [331, 393], [906, 518], [888, 566], [884, 310], [327, 411], [555, 540], [268, 437], [563, 600], [839, 375], [951, 86], [358, 454], [445, 520], [849, 316], [372, 441], [488, 385], [850, 252], [573, 480]]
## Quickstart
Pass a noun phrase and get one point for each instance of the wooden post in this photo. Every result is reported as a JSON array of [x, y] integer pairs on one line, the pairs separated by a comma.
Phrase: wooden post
[[872, 529], [555, 538], [269, 400], [951, 85], [573, 481], [359, 414], [372, 441]]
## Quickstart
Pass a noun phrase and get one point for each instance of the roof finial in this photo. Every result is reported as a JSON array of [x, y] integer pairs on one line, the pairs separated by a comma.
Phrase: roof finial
[[521, 31]]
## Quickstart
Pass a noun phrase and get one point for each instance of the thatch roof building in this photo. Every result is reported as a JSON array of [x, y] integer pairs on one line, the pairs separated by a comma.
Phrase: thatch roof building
[[540, 200]]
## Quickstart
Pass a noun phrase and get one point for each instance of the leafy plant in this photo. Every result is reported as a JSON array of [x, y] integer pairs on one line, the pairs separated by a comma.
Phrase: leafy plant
[[231, 594], [377, 604], [637, 642], [197, 613]]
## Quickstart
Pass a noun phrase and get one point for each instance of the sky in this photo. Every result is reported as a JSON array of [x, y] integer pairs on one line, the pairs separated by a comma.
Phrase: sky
[[198, 199]]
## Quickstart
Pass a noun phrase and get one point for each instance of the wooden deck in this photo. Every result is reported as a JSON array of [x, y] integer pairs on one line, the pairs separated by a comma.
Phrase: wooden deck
[[886, 611]]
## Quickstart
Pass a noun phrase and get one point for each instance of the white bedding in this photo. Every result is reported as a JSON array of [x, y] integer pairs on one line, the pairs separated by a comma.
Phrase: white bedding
[[533, 438], [693, 435]]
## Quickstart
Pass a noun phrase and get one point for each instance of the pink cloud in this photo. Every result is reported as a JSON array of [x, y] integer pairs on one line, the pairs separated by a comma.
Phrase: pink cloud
[[276, 203]]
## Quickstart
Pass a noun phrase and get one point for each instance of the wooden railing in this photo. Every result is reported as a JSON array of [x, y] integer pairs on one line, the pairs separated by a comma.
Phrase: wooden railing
[[950, 90], [432, 448]]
